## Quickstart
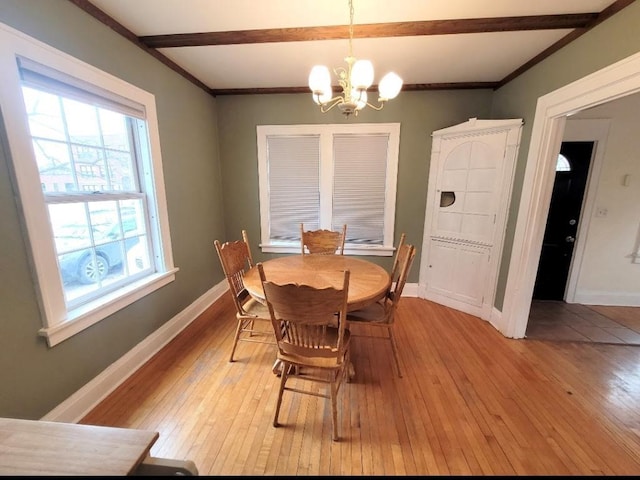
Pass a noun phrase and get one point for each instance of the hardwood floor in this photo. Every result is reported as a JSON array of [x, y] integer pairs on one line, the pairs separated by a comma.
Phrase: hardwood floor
[[560, 321], [471, 402]]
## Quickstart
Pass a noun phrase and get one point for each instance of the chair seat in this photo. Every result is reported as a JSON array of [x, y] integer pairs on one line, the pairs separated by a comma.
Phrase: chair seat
[[318, 362], [374, 313], [255, 309]]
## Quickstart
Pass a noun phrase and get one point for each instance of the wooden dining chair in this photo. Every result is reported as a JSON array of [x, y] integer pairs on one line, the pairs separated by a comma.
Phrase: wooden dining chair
[[382, 313], [235, 257], [322, 242], [245, 239], [313, 342], [394, 269]]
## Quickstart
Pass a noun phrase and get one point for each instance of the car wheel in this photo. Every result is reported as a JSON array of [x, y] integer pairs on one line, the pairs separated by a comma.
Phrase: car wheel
[[90, 271]]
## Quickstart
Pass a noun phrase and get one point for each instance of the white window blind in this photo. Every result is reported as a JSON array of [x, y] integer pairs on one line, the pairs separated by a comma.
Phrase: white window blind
[[39, 76], [325, 176], [294, 176], [360, 168]]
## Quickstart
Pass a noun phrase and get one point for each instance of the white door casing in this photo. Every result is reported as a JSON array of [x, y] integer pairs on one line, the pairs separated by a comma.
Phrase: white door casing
[[615, 81], [470, 180]]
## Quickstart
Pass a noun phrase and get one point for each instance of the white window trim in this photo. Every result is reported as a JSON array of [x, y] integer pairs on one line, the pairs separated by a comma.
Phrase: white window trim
[[326, 131], [60, 324]]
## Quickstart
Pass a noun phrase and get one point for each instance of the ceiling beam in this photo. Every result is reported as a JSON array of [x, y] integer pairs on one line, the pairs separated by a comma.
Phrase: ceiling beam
[[405, 88], [372, 30]]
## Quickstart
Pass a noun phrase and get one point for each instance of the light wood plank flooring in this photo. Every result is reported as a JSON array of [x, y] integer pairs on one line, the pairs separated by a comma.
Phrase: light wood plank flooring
[[471, 402]]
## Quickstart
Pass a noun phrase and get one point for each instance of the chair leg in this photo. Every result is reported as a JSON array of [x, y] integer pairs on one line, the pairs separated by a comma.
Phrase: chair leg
[[394, 347], [334, 408], [235, 338], [283, 380], [349, 370]]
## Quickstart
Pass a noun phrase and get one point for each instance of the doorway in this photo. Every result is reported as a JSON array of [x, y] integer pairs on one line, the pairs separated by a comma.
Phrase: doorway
[[572, 171], [610, 83]]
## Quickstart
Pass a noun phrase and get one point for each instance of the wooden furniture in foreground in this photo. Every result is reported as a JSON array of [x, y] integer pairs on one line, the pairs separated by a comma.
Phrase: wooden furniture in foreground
[[313, 342], [382, 313], [35, 447], [368, 282], [322, 242], [235, 257]]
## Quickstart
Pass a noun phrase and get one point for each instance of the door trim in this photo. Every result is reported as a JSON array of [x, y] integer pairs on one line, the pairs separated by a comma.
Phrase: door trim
[[615, 81], [587, 130]]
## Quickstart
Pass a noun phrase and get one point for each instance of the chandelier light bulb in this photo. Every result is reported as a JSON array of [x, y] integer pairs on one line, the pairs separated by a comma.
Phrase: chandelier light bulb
[[390, 86], [319, 79], [362, 74], [360, 98]]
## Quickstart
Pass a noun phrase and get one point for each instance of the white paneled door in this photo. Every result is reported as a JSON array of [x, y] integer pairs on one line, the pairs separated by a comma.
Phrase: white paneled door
[[470, 179]]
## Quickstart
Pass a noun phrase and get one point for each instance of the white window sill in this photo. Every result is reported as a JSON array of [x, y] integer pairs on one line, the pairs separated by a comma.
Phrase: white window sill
[[91, 313], [361, 250]]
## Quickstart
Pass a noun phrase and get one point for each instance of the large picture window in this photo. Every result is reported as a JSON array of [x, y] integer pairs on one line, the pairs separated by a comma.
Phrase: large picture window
[[325, 176], [87, 165]]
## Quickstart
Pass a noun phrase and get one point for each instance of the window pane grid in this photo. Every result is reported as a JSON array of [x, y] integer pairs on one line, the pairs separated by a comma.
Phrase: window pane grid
[[88, 173]]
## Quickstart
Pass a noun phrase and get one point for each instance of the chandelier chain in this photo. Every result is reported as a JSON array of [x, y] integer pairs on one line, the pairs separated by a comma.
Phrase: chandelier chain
[[351, 28]]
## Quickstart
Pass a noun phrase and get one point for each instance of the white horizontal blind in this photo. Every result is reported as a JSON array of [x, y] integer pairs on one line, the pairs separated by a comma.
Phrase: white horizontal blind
[[48, 79], [360, 173], [325, 176], [294, 191]]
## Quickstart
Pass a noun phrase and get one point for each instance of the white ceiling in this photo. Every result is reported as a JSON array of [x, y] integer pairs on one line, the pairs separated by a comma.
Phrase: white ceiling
[[419, 60]]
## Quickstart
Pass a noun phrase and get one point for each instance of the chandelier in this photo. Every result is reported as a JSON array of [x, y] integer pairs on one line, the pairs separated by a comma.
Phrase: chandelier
[[354, 80]]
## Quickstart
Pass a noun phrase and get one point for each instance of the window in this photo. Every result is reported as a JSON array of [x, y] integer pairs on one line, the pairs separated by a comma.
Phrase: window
[[562, 164], [325, 176], [87, 165]]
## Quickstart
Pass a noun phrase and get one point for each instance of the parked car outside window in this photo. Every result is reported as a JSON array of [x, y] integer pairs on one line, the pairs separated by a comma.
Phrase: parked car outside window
[[89, 265]]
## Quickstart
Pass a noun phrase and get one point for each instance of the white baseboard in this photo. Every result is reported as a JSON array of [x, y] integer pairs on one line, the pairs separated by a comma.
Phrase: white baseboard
[[410, 290], [495, 319], [81, 402], [621, 299]]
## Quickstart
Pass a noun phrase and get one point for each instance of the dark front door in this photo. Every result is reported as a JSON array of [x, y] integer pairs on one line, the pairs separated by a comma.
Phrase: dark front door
[[562, 222]]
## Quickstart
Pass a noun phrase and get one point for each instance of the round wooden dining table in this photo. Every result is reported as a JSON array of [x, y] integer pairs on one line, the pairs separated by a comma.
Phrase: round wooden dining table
[[368, 282]]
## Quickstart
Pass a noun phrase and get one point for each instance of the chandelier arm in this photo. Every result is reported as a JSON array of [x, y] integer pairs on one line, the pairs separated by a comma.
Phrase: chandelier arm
[[378, 107], [328, 105]]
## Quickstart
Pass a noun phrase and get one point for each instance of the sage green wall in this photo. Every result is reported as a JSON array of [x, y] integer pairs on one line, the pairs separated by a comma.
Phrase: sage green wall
[[615, 39], [34, 377], [419, 114]]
